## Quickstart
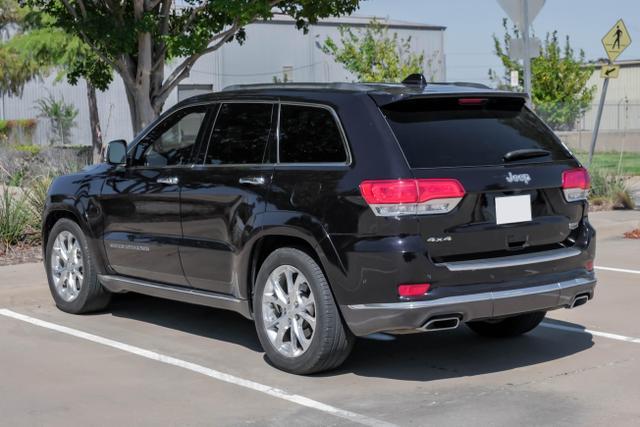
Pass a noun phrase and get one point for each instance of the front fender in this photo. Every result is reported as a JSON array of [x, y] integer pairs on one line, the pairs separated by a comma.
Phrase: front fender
[[76, 197]]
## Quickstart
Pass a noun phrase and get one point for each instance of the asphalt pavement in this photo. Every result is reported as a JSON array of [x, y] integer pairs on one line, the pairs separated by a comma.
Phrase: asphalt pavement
[[147, 361]]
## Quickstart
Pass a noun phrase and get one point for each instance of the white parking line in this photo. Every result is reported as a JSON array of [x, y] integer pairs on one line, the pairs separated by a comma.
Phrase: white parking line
[[619, 270], [221, 376], [594, 333]]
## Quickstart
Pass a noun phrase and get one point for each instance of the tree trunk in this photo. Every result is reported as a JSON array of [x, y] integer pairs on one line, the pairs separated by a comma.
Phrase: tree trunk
[[94, 119], [141, 110]]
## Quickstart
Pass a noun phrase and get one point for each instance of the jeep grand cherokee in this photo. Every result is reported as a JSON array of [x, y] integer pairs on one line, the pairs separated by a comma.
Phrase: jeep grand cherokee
[[329, 211]]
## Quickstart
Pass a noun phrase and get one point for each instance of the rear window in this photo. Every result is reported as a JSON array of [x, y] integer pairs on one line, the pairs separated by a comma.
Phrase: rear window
[[443, 133]]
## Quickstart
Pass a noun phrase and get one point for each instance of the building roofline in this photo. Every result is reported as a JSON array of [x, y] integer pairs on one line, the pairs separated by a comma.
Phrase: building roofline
[[623, 63], [354, 21]]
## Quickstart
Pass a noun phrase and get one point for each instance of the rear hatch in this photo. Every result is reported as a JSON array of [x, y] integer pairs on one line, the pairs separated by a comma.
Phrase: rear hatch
[[498, 150]]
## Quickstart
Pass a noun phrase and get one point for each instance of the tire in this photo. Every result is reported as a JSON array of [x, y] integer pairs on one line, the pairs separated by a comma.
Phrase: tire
[[509, 326], [328, 345], [79, 292]]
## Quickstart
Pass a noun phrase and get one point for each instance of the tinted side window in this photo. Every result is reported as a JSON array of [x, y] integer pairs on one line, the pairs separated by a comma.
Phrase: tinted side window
[[309, 135], [240, 134], [173, 140]]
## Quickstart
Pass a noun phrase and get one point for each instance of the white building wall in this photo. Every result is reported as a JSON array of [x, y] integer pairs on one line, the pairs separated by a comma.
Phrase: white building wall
[[268, 48], [622, 103]]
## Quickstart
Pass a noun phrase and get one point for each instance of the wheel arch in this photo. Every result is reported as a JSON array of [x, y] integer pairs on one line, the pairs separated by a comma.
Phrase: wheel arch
[[321, 250], [58, 211], [53, 215]]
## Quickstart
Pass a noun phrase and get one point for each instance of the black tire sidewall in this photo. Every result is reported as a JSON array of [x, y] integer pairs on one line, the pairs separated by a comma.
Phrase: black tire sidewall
[[77, 305], [326, 311]]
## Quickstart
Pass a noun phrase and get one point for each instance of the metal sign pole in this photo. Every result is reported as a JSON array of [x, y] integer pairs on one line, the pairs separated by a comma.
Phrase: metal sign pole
[[527, 56], [594, 137]]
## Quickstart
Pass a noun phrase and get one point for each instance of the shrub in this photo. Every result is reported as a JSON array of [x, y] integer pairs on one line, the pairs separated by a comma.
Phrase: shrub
[[31, 149], [19, 131], [4, 130], [608, 189], [36, 196], [22, 164], [61, 116], [14, 219]]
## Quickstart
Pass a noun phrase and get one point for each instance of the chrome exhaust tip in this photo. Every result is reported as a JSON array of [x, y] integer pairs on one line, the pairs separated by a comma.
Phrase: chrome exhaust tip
[[579, 300], [441, 324]]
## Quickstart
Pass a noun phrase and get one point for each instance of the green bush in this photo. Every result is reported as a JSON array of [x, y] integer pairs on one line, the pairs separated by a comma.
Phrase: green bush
[[607, 188], [19, 131], [61, 117], [15, 219], [36, 196], [31, 149], [16, 179]]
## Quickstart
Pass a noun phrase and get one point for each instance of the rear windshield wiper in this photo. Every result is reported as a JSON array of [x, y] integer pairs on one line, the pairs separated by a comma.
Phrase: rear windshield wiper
[[526, 153]]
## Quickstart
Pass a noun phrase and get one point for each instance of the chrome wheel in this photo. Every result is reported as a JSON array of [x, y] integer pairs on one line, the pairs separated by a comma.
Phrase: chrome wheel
[[289, 311], [67, 268]]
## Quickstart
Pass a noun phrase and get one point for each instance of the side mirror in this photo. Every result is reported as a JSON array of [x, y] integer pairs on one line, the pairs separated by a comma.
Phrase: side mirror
[[116, 152]]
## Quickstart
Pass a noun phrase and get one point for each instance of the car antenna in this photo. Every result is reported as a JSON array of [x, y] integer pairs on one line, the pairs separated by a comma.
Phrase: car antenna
[[416, 79]]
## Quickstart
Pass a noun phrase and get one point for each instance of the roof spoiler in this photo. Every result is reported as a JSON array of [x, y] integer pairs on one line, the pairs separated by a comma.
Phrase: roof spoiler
[[384, 100]]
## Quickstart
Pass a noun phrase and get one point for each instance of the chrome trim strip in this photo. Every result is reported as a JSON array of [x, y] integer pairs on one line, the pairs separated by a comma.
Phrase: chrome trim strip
[[472, 298], [510, 261], [279, 104]]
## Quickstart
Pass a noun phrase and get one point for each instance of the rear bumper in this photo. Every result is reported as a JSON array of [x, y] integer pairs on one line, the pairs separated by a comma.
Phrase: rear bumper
[[364, 319]]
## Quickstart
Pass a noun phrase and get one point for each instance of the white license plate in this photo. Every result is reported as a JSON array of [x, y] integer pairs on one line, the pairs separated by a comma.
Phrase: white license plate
[[513, 209]]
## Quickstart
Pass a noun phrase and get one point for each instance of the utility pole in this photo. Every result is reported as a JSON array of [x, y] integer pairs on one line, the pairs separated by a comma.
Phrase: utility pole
[[527, 58]]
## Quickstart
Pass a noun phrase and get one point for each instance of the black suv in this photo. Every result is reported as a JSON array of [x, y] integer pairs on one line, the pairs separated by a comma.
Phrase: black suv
[[329, 211]]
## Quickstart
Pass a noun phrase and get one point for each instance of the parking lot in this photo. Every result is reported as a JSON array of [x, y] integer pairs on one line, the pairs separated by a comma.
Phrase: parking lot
[[147, 361]]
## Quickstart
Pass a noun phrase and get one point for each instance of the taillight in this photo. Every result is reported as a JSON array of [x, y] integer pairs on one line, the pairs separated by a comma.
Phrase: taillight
[[589, 265], [412, 196], [472, 101], [575, 184], [413, 290]]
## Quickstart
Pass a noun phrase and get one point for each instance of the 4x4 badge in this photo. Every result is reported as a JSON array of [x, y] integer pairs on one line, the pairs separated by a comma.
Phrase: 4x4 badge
[[439, 239], [523, 177]]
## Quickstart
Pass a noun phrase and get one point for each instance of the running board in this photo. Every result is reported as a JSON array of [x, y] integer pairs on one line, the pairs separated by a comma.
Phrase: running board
[[119, 284]]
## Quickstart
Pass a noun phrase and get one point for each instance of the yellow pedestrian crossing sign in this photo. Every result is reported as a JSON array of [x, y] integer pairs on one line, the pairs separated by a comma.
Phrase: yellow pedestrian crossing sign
[[616, 40], [609, 71]]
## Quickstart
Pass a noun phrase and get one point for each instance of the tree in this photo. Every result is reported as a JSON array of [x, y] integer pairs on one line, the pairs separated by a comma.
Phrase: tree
[[39, 46], [558, 78], [136, 38], [15, 71], [374, 56]]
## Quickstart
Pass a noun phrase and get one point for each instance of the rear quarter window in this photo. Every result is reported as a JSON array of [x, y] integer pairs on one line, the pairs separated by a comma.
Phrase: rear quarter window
[[310, 134], [443, 133]]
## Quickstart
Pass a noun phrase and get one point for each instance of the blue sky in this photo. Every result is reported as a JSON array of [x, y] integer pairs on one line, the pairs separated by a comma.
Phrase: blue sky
[[470, 24]]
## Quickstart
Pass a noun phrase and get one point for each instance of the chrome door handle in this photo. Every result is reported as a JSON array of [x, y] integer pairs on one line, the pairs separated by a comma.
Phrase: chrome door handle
[[253, 180], [170, 180]]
